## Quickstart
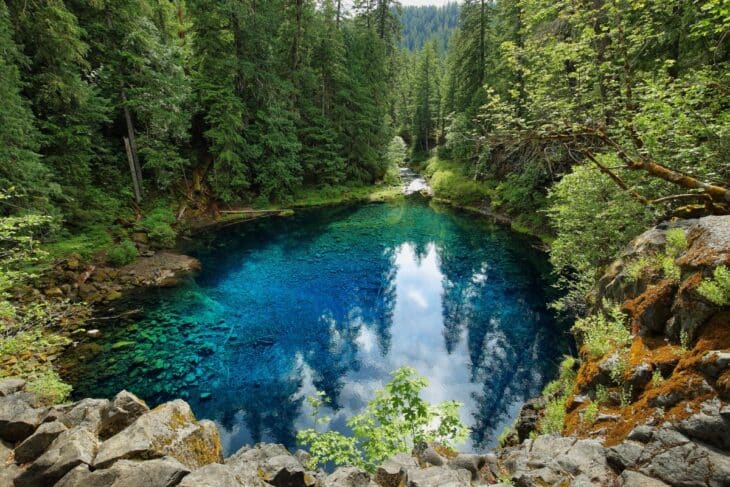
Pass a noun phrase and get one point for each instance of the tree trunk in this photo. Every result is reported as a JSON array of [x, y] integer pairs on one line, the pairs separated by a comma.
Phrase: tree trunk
[[132, 142], [132, 170]]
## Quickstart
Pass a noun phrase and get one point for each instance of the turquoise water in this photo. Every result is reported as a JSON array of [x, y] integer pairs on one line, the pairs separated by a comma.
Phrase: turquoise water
[[335, 299]]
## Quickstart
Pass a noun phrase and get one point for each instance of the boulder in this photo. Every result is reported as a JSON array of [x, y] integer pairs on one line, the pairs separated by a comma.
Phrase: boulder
[[689, 464], [348, 477], [527, 420], [168, 430], [708, 425], [37, 443], [714, 363], [123, 410], [18, 418], [707, 240], [11, 386], [630, 478], [284, 471], [472, 463], [160, 472], [438, 477], [71, 448], [394, 471], [247, 462], [428, 456], [213, 475], [86, 413]]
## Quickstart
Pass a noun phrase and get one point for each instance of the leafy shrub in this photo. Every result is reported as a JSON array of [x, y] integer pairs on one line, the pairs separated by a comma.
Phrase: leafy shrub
[[590, 413], [48, 387], [717, 289], [636, 268], [122, 253], [448, 181], [553, 419], [393, 422], [656, 378], [601, 394], [594, 219], [158, 226], [558, 391], [600, 333]]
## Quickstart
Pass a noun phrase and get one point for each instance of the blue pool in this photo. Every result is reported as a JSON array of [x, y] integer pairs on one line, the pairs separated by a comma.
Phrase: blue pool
[[335, 299]]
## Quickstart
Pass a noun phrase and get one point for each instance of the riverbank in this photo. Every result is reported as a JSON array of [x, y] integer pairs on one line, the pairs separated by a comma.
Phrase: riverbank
[[451, 184]]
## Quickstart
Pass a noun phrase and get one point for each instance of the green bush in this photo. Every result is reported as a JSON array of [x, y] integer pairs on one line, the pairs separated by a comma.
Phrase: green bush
[[158, 226], [600, 333], [590, 413], [48, 387], [393, 422], [558, 392], [122, 254], [717, 289], [448, 181]]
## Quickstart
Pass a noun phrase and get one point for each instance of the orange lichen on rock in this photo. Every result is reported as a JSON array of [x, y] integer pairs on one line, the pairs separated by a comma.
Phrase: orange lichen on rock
[[650, 310]]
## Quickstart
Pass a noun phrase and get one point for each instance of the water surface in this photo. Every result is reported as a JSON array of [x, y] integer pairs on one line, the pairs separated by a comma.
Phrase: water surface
[[336, 299]]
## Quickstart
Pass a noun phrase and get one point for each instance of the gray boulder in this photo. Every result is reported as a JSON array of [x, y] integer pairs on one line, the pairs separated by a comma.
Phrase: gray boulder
[[37, 443], [18, 418], [630, 478], [348, 477], [689, 464], [248, 462], [284, 471], [160, 472], [85, 413], [213, 475], [715, 362], [123, 410], [71, 448], [394, 471], [472, 463], [168, 430], [11, 386], [708, 425], [428, 456], [438, 477]]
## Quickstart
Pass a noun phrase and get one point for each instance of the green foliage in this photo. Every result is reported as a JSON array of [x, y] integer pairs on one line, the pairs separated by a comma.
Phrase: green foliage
[[619, 367], [87, 243], [601, 395], [594, 220], [717, 289], [48, 387], [122, 253], [602, 333], [558, 392], [449, 182], [158, 225], [590, 413], [393, 422], [656, 378]]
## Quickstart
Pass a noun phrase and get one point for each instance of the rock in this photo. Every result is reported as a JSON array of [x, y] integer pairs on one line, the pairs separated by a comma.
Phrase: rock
[[438, 477], [53, 291], [71, 448], [642, 433], [348, 477], [93, 333], [268, 461], [527, 420], [708, 425], [213, 475], [607, 417], [303, 457], [86, 413], [393, 471], [283, 471], [707, 240], [689, 464], [37, 443], [11, 386], [123, 410], [8, 473], [690, 311], [427, 456], [715, 363], [168, 430], [651, 310], [140, 237], [472, 463], [640, 376], [160, 472], [624, 455], [18, 419], [635, 479]]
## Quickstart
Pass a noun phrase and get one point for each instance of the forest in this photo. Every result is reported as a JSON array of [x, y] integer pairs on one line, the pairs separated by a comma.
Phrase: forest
[[125, 123]]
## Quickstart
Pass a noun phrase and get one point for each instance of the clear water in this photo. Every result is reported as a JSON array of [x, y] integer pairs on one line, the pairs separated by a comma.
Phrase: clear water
[[335, 299]]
